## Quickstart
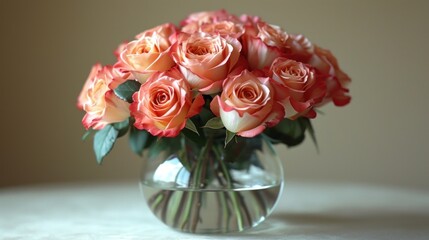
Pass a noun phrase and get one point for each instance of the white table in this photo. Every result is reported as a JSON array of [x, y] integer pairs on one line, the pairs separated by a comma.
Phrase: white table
[[306, 211]]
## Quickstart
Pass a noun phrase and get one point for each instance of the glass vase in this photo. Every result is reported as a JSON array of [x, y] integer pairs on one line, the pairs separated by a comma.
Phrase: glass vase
[[211, 188]]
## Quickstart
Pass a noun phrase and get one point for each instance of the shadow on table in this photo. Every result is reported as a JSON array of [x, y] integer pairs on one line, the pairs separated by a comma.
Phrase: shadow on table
[[323, 224]]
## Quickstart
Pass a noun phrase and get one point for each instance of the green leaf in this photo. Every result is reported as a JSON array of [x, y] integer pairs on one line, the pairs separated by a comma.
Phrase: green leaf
[[191, 126], [214, 123], [138, 140], [104, 141], [229, 136], [192, 136], [289, 132], [122, 127], [126, 90], [242, 154], [311, 132], [87, 133], [293, 128], [205, 113]]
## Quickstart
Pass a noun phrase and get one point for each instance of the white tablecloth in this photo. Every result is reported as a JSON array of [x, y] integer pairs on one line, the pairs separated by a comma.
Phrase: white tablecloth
[[306, 211]]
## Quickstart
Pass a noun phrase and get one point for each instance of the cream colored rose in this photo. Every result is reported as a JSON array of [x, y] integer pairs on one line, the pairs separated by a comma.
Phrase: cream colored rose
[[149, 53], [247, 105], [101, 105], [206, 60]]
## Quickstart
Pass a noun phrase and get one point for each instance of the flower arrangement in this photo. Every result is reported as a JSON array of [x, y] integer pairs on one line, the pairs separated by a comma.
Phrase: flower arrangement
[[246, 74], [214, 81]]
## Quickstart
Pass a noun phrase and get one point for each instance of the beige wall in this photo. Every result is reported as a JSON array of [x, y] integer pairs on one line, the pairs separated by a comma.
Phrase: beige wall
[[48, 48]]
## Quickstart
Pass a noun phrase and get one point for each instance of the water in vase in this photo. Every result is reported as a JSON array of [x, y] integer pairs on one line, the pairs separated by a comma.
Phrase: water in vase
[[213, 211]]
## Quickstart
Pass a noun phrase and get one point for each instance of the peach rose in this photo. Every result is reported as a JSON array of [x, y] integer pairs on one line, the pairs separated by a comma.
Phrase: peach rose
[[119, 75], [205, 60], [82, 98], [300, 87], [121, 47], [262, 43], [250, 21], [164, 103], [209, 17], [166, 30], [300, 48], [247, 104], [149, 53], [223, 28], [101, 105], [336, 79]]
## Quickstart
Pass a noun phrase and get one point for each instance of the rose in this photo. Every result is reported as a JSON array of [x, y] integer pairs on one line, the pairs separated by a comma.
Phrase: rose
[[166, 30], [101, 105], [82, 98], [121, 47], [223, 28], [300, 87], [336, 79], [250, 21], [300, 48], [194, 21], [262, 43], [247, 104], [164, 103], [119, 75], [209, 17], [149, 53], [272, 35], [205, 60]]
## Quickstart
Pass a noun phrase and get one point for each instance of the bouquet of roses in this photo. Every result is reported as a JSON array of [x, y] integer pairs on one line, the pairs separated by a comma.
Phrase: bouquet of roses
[[205, 99], [215, 73]]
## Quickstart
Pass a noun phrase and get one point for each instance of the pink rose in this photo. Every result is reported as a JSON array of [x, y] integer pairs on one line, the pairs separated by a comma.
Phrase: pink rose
[[300, 48], [247, 104], [209, 17], [205, 60], [164, 103], [300, 87], [121, 47], [166, 30], [336, 79], [149, 53], [82, 98], [250, 21], [223, 28], [119, 75], [101, 105], [262, 43]]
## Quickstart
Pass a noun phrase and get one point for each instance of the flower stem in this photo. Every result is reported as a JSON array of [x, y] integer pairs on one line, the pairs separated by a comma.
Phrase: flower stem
[[233, 195], [198, 182]]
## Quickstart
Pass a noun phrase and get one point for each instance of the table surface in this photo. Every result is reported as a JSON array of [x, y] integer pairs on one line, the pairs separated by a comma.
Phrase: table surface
[[305, 211]]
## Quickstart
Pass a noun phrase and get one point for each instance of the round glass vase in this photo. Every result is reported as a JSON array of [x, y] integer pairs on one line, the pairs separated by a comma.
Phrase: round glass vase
[[211, 188]]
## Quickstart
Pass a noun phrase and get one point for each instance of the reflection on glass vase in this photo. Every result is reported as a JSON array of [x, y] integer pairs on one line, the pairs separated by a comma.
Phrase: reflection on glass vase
[[211, 188]]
